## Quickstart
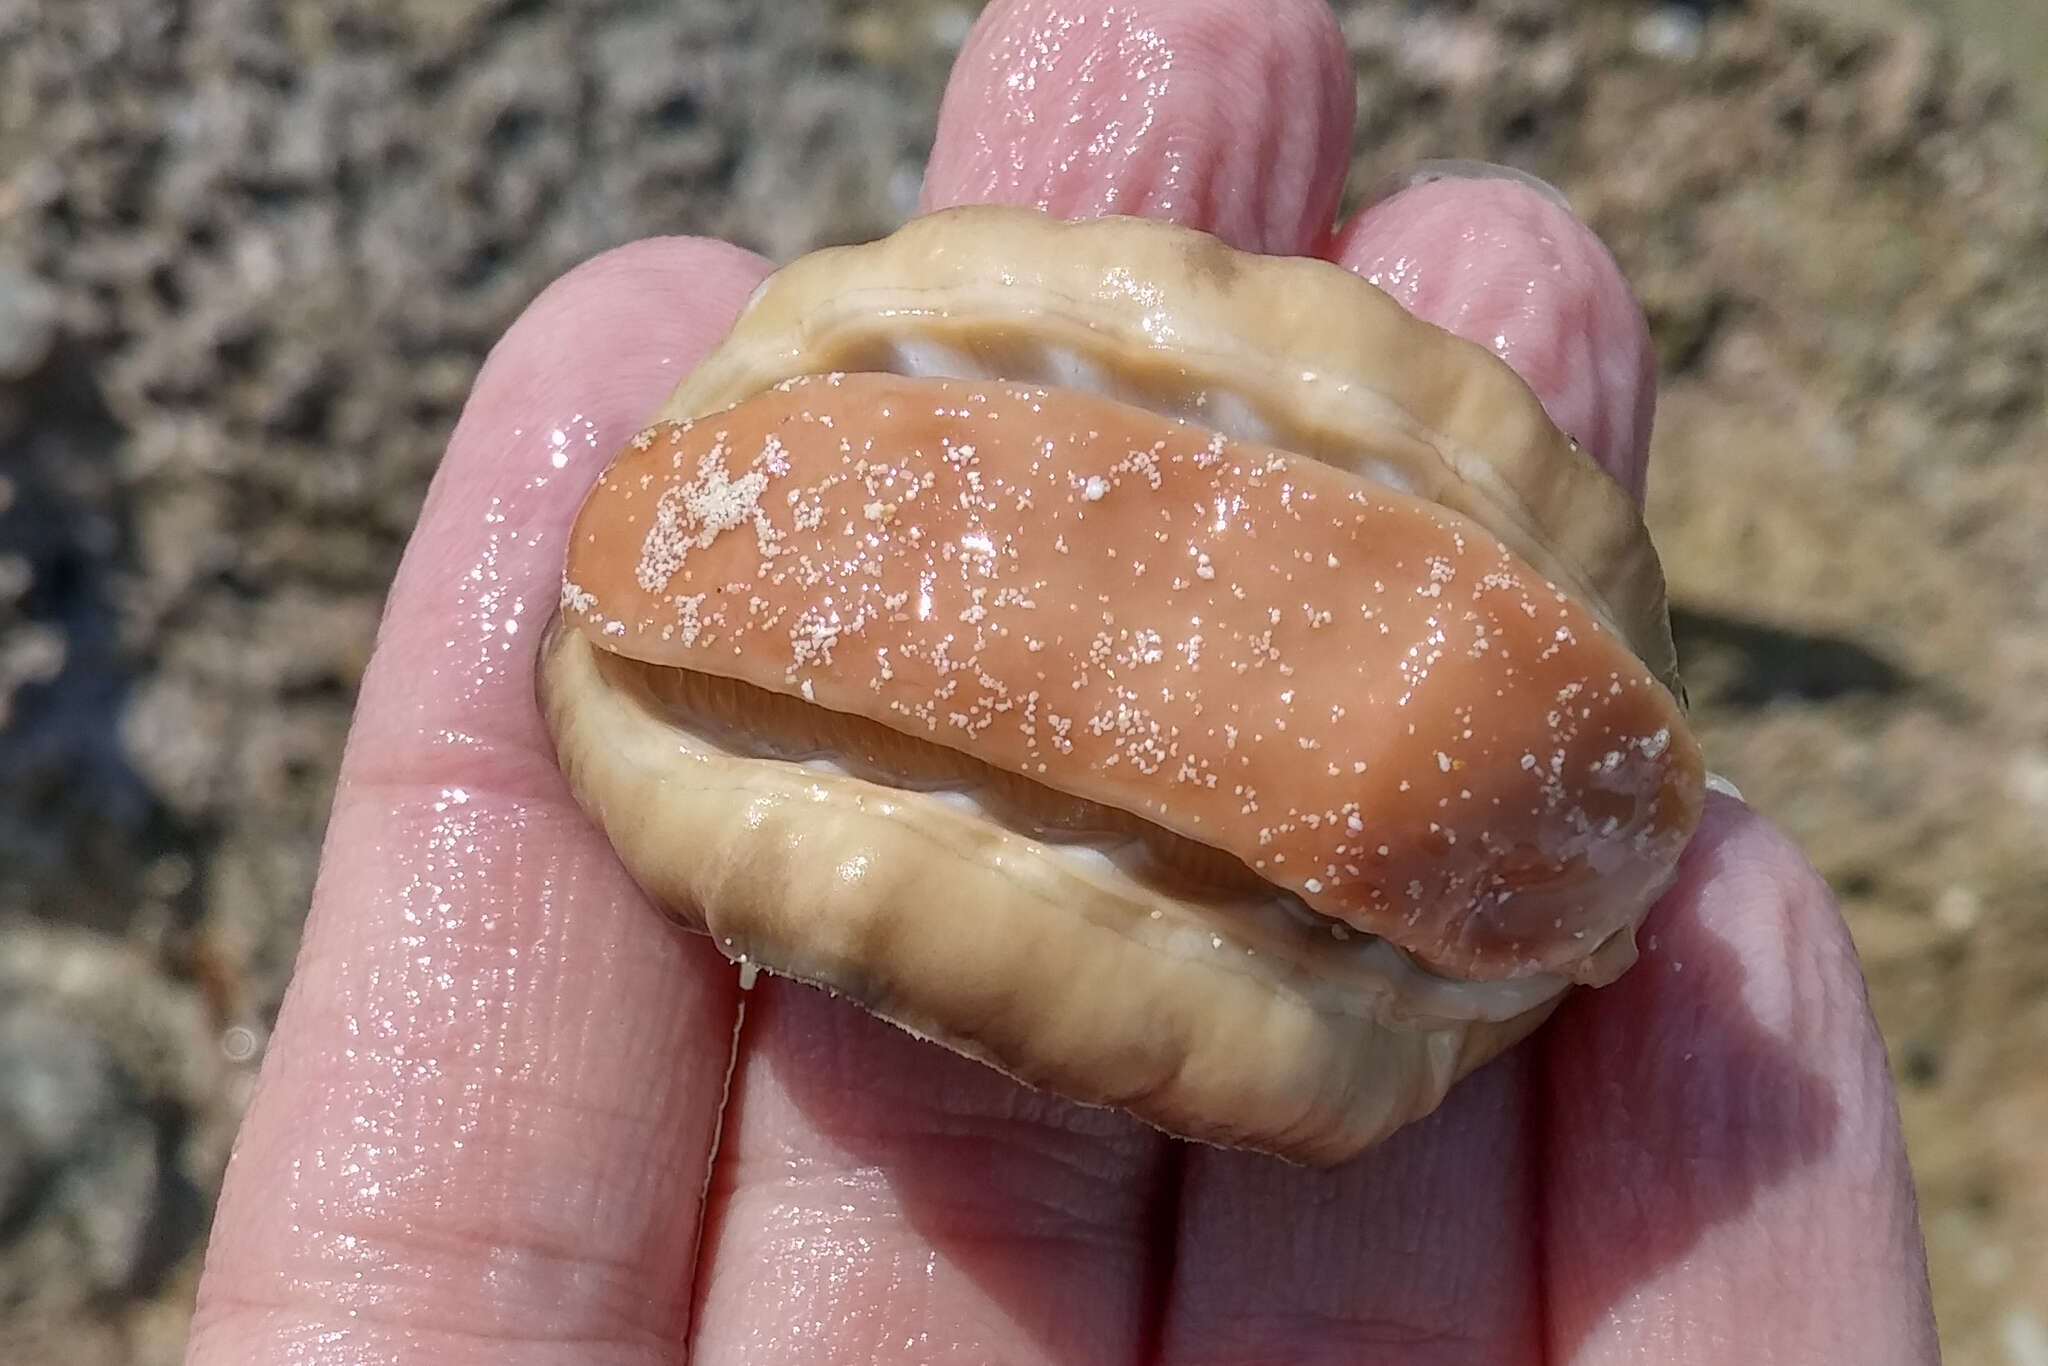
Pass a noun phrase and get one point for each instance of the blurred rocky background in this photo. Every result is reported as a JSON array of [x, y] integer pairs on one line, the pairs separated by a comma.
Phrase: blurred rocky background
[[252, 251]]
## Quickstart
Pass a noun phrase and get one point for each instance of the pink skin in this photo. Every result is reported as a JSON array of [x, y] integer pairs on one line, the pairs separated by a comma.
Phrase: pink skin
[[485, 1125]]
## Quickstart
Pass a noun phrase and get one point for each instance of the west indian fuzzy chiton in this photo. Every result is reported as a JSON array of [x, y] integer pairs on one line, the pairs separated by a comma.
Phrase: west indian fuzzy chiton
[[1176, 677]]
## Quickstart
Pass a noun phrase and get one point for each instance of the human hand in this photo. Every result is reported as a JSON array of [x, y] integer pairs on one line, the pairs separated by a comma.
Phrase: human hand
[[489, 1123]]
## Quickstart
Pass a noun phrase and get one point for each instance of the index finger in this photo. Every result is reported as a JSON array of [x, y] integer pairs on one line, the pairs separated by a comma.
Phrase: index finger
[[483, 1121]]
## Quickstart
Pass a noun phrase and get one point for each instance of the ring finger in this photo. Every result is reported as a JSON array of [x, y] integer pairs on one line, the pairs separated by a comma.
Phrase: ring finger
[[1427, 1245]]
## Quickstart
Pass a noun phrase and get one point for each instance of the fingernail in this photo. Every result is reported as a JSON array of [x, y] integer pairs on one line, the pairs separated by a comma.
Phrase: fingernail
[[1463, 168], [1717, 783]]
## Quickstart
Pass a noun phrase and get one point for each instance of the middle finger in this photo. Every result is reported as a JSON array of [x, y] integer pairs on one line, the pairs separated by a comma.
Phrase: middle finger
[[1219, 115], [873, 1192]]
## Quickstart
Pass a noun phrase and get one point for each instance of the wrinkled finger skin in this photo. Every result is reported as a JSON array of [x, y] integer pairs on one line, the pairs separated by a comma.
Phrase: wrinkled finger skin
[[482, 1124], [485, 1126]]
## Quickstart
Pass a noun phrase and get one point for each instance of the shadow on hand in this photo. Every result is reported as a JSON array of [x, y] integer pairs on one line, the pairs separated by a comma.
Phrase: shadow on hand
[[1691, 1095], [1645, 1116], [1051, 1210]]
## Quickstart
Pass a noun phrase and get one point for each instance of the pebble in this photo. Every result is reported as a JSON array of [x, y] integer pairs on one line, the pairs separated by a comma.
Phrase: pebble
[[28, 324]]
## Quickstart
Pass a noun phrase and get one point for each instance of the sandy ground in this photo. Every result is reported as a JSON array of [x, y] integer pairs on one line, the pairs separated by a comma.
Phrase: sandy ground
[[251, 253]]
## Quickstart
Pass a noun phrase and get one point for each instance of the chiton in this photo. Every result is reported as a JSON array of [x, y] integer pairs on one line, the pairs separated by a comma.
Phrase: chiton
[[1178, 678]]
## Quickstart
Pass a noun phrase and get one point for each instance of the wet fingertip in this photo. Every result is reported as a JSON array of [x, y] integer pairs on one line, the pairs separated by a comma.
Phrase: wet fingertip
[[1502, 261], [1231, 118]]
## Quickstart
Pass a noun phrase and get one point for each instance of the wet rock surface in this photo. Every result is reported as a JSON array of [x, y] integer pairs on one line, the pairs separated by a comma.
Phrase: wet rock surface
[[252, 253]]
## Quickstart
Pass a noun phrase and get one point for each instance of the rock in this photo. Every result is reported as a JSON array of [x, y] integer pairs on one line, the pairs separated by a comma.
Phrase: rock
[[1671, 32], [28, 324], [72, 1132], [29, 653], [103, 1068]]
